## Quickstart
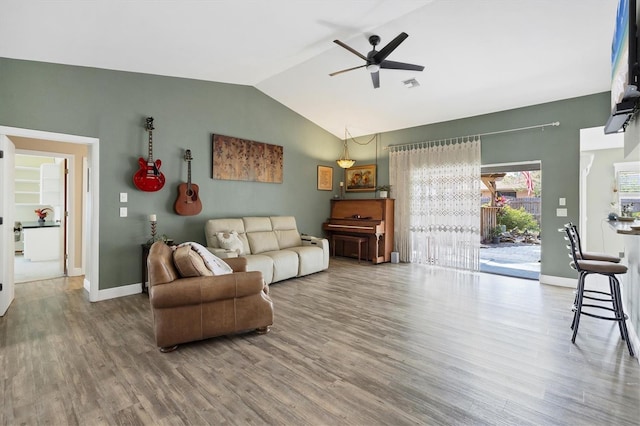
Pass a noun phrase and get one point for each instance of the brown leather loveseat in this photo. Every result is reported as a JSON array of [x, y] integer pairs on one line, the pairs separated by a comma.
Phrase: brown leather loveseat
[[200, 307]]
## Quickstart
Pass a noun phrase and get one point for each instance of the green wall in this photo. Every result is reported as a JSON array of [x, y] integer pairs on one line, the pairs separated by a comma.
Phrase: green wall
[[112, 106], [558, 149]]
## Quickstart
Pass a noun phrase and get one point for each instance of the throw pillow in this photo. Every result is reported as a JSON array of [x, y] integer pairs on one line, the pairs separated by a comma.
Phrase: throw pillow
[[189, 263], [230, 241], [214, 265]]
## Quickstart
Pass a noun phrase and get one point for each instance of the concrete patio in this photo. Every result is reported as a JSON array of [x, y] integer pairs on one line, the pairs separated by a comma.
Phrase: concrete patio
[[512, 259]]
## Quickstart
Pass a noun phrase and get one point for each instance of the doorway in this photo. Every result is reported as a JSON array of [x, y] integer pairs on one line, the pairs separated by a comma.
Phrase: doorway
[[89, 209], [511, 219], [40, 185]]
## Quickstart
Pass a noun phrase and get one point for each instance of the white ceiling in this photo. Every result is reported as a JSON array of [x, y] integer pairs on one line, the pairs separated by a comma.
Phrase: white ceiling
[[480, 56]]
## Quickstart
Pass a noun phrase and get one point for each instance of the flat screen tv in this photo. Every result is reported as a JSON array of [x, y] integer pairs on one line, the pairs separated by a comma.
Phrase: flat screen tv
[[624, 55], [625, 75]]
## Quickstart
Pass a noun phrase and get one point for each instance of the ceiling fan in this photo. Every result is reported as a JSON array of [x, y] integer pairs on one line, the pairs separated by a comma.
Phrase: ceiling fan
[[378, 59]]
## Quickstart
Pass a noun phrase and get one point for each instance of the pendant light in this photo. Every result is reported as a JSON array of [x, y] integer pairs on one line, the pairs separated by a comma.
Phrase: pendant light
[[345, 162]]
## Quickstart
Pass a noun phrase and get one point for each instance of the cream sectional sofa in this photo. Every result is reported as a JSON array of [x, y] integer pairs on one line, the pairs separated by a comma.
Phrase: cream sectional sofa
[[271, 245]]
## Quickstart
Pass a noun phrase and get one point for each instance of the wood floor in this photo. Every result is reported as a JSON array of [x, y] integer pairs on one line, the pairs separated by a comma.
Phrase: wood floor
[[391, 344]]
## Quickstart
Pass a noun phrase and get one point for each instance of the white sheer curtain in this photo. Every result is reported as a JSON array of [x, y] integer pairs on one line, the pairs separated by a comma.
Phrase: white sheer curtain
[[437, 210]]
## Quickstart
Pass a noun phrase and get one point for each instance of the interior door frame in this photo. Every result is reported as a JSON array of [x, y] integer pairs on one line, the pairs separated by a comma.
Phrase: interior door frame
[[91, 209], [68, 201]]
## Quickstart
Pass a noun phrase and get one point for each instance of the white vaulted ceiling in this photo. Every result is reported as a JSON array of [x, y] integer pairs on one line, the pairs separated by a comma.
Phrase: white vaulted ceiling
[[480, 56]]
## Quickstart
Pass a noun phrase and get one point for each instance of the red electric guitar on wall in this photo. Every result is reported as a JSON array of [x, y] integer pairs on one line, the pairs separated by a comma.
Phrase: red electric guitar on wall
[[149, 177], [188, 202]]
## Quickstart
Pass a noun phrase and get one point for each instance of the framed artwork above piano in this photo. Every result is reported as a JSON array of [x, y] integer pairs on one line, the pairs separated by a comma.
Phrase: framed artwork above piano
[[370, 218], [360, 178]]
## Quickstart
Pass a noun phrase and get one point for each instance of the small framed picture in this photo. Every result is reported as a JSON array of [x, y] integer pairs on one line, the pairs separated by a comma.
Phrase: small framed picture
[[361, 178], [325, 178]]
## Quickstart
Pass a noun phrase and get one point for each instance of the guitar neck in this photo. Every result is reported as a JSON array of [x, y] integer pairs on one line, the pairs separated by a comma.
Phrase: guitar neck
[[150, 157], [189, 175]]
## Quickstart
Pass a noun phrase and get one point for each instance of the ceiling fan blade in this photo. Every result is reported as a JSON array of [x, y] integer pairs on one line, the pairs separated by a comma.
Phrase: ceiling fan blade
[[348, 69], [375, 77], [385, 51], [392, 65], [350, 49]]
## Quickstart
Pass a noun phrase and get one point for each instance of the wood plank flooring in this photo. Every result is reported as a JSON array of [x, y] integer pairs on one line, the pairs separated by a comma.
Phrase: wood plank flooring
[[391, 344]]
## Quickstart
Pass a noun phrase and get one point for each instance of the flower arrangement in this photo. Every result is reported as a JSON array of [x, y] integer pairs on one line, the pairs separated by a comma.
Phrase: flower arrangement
[[501, 201], [42, 213]]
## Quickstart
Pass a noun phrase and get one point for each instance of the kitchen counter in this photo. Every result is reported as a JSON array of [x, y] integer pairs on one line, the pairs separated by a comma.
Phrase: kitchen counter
[[631, 280], [625, 227], [42, 241]]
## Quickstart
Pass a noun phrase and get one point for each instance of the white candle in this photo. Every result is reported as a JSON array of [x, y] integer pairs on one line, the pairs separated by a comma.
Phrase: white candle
[[341, 183], [152, 217]]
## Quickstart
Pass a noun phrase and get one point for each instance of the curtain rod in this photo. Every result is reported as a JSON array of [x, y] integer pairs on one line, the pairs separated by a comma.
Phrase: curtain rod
[[537, 126]]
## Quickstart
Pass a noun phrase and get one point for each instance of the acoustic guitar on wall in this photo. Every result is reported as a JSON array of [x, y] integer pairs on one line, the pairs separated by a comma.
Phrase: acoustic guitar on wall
[[188, 202], [149, 177]]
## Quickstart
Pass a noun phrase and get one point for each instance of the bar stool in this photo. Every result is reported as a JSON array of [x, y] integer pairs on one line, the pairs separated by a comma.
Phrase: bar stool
[[575, 236], [589, 255], [607, 268]]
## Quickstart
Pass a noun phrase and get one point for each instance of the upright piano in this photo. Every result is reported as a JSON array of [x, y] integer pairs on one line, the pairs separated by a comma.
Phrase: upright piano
[[369, 218]]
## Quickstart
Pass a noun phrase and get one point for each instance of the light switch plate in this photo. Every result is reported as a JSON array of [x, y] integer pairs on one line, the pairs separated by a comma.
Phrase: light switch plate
[[562, 202], [123, 197], [561, 212], [123, 212]]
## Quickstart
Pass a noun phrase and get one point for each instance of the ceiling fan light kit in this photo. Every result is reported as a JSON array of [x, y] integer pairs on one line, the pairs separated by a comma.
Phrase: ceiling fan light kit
[[376, 60]]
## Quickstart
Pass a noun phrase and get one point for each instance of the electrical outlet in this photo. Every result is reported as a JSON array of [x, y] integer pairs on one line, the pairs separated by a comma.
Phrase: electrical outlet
[[562, 202], [123, 197], [561, 212], [123, 212]]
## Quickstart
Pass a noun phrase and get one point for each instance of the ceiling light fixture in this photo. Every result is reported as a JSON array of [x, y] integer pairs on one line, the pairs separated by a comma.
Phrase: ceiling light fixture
[[373, 68], [345, 162]]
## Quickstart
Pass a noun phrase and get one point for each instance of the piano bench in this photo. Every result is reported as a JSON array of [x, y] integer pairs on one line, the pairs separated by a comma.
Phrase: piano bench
[[351, 238]]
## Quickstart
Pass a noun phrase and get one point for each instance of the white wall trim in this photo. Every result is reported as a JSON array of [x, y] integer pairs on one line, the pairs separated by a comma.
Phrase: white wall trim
[[559, 281], [91, 234], [594, 138], [633, 338], [122, 291]]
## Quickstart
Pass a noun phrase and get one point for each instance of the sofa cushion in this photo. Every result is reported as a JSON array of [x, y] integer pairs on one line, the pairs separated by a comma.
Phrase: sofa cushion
[[285, 264], [213, 226], [187, 261], [311, 259], [256, 224], [230, 241], [286, 231], [262, 263], [262, 241]]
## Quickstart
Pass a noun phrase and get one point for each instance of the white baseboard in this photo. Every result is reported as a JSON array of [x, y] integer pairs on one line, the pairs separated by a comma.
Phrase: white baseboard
[[635, 341], [75, 272], [114, 293], [558, 281]]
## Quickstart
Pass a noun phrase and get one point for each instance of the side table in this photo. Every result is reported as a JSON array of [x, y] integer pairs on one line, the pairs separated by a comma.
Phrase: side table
[[145, 272]]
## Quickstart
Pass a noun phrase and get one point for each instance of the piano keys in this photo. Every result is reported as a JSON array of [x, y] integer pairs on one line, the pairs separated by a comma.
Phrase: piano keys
[[371, 218]]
